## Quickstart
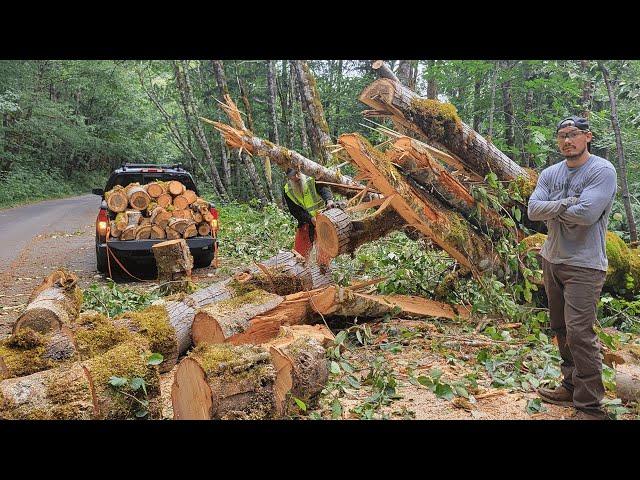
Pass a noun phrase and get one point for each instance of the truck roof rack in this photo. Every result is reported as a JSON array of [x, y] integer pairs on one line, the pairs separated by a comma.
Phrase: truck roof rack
[[177, 166]]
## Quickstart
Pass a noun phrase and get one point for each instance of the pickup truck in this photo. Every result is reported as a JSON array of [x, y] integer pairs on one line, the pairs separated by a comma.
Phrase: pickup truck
[[138, 252]]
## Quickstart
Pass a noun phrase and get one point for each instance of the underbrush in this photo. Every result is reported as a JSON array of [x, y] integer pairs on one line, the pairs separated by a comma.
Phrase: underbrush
[[23, 186]]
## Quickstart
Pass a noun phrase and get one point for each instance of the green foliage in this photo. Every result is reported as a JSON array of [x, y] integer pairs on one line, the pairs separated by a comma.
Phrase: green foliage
[[135, 389], [620, 313], [112, 300]]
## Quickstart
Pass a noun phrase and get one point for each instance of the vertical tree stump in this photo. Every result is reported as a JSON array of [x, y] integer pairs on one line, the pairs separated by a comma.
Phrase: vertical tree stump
[[174, 262]]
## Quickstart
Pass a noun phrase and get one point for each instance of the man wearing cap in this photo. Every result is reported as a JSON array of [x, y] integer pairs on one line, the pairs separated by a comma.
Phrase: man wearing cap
[[304, 200], [574, 197]]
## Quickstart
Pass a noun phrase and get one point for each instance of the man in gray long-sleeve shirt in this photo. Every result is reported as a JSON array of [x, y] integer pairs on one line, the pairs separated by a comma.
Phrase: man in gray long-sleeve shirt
[[575, 197]]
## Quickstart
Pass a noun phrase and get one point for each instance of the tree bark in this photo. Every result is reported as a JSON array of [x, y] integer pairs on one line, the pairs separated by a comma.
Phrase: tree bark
[[622, 164], [432, 84], [318, 130], [441, 125], [587, 90], [273, 126], [223, 89], [507, 104]]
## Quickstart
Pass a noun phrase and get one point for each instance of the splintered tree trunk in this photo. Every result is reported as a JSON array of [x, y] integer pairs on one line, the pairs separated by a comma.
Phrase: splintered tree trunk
[[223, 89], [250, 382], [224, 382], [318, 130], [27, 352], [54, 303], [81, 391], [448, 229], [344, 302], [440, 124], [383, 70]]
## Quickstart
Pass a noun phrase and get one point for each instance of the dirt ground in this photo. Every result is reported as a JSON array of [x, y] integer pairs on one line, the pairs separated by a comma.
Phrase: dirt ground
[[73, 247]]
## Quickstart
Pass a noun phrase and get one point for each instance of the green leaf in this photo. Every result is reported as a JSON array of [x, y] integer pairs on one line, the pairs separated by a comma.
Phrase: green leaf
[[142, 413], [518, 214], [353, 381], [301, 404], [444, 391], [461, 391], [535, 405], [335, 368], [137, 383], [346, 367], [118, 381], [155, 359], [340, 337], [426, 381], [336, 409]]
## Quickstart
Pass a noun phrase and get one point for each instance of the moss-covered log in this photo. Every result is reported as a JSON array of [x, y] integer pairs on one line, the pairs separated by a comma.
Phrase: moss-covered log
[[54, 303], [224, 382], [81, 390], [442, 127], [445, 227], [251, 382], [27, 352], [623, 273]]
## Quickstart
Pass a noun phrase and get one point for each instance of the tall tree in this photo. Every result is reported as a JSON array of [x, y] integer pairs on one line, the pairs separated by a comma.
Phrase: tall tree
[[587, 89], [317, 128], [223, 89], [192, 117], [273, 119], [622, 164], [507, 104]]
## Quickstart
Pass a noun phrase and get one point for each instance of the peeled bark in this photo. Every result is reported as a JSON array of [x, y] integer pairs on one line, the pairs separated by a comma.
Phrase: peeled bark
[[54, 303], [441, 126], [81, 390]]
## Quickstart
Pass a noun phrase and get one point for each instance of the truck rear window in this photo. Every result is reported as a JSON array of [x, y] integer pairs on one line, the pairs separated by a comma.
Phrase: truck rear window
[[125, 179]]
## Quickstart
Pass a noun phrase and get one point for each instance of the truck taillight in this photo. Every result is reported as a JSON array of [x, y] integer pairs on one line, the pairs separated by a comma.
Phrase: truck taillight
[[101, 223], [214, 222]]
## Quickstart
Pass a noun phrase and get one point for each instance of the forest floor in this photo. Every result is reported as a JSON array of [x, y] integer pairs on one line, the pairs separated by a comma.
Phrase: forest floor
[[388, 368]]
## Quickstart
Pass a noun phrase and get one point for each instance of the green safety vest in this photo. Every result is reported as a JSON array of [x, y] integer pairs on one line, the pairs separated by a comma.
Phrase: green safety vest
[[310, 200]]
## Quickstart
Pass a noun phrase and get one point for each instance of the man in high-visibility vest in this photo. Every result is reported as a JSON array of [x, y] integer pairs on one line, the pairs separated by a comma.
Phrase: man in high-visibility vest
[[305, 200]]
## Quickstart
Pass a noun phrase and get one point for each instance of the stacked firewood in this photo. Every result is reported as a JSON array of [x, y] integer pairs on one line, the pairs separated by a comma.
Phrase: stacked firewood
[[157, 210]]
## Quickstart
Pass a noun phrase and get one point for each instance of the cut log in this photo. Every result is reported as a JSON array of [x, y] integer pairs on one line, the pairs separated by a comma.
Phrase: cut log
[[129, 233], [442, 127], [628, 382], [449, 230], [204, 229], [81, 390], [160, 217], [164, 200], [190, 195], [144, 221], [157, 233], [155, 189], [54, 303], [180, 202], [117, 200], [114, 231], [176, 188], [197, 217], [143, 232], [139, 199], [382, 69], [218, 322], [173, 259], [190, 231], [301, 368], [338, 233], [224, 382], [122, 220], [133, 217], [27, 351], [179, 224], [345, 302], [172, 234]]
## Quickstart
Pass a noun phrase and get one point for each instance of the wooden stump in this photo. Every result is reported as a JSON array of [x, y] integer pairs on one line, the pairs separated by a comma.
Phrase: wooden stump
[[129, 233], [143, 232], [176, 188], [191, 196], [174, 262], [160, 217], [204, 229], [190, 231], [56, 302], [180, 202], [164, 200], [155, 189], [179, 224]]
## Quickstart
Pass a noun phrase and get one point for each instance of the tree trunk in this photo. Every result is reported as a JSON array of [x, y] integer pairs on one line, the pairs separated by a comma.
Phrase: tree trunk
[[273, 127], [81, 391], [492, 109], [622, 164], [432, 85], [54, 303], [336, 115], [297, 111], [507, 104], [252, 173], [527, 157], [441, 125], [318, 130], [404, 72], [191, 114], [174, 262], [587, 90], [117, 200], [221, 81], [383, 70], [477, 92]]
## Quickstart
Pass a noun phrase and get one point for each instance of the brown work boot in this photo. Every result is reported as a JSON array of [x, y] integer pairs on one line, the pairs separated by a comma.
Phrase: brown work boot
[[558, 396], [590, 415]]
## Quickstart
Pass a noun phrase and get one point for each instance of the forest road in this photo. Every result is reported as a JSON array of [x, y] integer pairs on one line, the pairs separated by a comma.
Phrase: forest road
[[36, 239]]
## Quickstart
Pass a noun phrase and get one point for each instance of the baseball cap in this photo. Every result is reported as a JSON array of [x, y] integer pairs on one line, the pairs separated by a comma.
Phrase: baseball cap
[[579, 122]]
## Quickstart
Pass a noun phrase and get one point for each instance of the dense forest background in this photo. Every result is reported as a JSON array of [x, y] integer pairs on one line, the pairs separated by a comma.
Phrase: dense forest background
[[66, 124]]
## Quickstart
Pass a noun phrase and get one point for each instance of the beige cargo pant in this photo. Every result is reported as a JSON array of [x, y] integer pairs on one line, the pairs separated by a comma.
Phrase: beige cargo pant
[[573, 294]]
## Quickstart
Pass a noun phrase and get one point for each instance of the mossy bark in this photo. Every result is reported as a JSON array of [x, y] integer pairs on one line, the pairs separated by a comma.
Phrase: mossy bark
[[81, 390]]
